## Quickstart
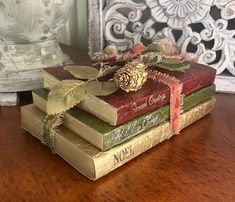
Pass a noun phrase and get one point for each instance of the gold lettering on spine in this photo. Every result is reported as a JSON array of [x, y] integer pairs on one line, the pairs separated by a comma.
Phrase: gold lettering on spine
[[153, 99], [139, 107], [122, 155]]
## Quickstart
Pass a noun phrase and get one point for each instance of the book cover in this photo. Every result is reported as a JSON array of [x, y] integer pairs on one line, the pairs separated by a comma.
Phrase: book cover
[[120, 106], [104, 136], [88, 159]]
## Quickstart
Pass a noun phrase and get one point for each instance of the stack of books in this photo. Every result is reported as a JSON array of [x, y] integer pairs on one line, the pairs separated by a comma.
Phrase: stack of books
[[103, 133]]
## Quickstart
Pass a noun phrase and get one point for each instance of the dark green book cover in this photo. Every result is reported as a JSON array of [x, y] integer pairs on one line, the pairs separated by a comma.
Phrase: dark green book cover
[[105, 136]]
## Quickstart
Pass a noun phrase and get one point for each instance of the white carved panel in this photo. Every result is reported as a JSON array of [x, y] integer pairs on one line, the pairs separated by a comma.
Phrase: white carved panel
[[206, 28]]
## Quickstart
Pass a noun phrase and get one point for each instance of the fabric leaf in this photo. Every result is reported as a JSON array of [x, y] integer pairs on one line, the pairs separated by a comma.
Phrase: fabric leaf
[[100, 88], [82, 72], [151, 58], [64, 96], [172, 64], [155, 48]]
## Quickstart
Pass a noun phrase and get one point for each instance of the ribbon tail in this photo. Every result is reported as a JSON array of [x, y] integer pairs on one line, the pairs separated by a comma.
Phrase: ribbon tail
[[176, 98]]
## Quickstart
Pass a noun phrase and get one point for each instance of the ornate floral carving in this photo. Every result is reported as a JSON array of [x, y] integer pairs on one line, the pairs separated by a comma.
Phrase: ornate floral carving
[[179, 13], [203, 27]]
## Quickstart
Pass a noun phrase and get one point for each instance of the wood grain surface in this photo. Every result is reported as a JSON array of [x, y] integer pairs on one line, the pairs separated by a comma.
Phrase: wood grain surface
[[197, 165]]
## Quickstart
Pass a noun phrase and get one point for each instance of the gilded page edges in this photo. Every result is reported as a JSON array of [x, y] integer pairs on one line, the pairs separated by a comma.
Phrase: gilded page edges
[[31, 121]]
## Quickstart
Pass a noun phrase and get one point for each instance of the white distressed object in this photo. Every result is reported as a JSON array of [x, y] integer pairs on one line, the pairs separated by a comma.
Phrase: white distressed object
[[203, 27], [9, 99], [225, 83], [28, 29]]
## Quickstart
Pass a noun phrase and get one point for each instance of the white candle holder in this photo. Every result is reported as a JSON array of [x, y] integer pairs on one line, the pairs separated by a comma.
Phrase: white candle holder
[[28, 29]]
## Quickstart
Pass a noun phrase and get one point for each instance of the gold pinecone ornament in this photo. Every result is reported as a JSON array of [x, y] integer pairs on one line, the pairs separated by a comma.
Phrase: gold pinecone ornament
[[132, 76]]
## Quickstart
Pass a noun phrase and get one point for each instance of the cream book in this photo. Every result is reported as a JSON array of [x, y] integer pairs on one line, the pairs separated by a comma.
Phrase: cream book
[[94, 163]]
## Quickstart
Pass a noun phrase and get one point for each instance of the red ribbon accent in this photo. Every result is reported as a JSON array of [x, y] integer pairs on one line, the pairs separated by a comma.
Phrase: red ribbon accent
[[176, 98]]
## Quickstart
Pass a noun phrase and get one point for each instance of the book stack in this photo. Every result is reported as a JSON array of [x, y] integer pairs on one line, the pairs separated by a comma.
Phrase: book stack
[[103, 133]]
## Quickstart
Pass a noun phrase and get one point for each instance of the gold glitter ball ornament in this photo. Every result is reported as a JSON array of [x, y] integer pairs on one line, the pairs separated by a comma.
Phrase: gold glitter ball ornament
[[132, 76]]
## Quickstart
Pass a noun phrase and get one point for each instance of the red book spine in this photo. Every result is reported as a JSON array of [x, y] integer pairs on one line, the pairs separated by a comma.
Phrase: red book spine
[[152, 95]]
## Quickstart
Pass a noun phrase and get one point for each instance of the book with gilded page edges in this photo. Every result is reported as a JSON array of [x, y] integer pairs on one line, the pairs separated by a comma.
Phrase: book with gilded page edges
[[121, 107], [94, 163], [104, 136]]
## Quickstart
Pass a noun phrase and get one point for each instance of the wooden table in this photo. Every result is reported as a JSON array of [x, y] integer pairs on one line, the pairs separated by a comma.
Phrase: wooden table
[[197, 165]]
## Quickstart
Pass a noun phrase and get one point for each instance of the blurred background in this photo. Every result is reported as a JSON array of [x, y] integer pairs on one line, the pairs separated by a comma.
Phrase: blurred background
[[75, 32]]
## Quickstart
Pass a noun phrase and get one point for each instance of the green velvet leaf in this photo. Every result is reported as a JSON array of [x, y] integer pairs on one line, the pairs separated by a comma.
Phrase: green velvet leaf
[[172, 64]]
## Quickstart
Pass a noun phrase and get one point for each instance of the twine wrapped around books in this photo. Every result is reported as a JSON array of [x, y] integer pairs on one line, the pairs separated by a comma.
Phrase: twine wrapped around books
[[50, 127]]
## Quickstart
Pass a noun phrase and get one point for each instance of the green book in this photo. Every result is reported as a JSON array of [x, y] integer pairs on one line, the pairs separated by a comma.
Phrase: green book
[[105, 136]]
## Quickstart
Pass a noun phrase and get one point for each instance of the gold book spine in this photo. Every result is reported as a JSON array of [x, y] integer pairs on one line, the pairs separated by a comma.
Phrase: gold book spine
[[105, 162]]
